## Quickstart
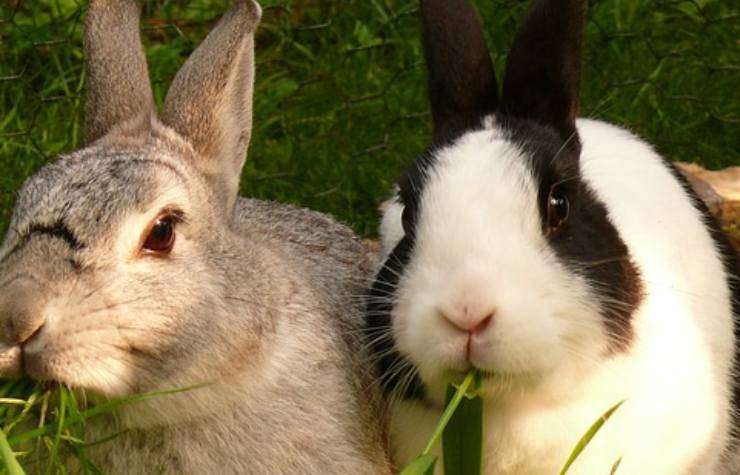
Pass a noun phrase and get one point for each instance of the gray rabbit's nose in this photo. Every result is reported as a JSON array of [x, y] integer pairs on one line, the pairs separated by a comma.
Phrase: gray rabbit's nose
[[21, 312]]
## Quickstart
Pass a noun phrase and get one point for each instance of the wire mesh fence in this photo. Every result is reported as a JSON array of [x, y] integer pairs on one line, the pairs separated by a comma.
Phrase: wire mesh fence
[[340, 98]]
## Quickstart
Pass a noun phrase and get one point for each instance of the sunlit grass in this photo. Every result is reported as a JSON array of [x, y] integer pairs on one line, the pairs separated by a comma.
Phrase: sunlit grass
[[42, 426], [460, 429], [42, 429], [340, 110], [340, 99]]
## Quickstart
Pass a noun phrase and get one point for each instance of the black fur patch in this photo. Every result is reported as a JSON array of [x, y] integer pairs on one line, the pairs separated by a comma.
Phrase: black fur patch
[[392, 367], [411, 186], [378, 320], [58, 230], [588, 244]]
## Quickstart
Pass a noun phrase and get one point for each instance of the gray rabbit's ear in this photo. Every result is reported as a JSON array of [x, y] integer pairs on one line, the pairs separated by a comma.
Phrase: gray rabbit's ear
[[119, 95], [210, 100]]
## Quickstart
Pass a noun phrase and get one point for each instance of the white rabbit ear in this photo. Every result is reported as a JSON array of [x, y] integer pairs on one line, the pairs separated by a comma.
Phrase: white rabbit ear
[[118, 91], [543, 69], [210, 100], [462, 82]]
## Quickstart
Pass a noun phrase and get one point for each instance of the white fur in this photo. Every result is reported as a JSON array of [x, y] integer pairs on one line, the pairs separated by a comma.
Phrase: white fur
[[480, 248]]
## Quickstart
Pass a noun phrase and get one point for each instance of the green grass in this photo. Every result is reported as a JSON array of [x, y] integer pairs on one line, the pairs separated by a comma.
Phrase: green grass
[[42, 427], [460, 428], [340, 103]]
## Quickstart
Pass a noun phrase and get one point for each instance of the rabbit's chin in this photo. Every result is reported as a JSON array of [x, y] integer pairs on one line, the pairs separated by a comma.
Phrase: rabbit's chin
[[105, 376], [94, 380], [497, 379]]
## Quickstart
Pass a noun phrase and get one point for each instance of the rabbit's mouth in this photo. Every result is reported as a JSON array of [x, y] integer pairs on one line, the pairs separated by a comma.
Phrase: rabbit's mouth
[[17, 363], [11, 362]]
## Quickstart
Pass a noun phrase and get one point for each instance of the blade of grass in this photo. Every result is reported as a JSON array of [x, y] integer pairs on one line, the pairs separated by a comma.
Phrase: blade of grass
[[424, 464], [16, 402], [29, 403], [616, 466], [463, 437], [85, 463], [462, 390], [78, 445], [586, 439], [11, 464], [54, 449], [95, 411]]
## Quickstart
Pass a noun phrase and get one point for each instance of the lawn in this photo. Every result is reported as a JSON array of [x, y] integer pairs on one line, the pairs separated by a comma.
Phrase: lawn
[[340, 99], [340, 105]]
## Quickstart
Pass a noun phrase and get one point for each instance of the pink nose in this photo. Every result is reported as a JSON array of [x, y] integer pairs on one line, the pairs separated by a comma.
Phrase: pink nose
[[468, 321]]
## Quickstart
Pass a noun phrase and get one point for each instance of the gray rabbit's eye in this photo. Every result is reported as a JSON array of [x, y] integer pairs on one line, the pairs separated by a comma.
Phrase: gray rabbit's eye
[[161, 237]]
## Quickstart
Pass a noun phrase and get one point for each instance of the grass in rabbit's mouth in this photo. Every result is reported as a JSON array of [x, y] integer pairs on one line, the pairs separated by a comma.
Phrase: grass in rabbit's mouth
[[461, 429], [42, 426]]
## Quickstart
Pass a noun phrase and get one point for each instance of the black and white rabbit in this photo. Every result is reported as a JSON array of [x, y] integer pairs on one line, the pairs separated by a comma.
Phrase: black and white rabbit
[[562, 257]]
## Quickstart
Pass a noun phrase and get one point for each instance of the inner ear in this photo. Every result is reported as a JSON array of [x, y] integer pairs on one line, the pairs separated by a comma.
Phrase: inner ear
[[210, 100], [543, 69]]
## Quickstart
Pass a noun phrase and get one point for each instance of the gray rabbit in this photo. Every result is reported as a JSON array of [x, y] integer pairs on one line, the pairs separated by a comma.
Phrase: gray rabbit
[[132, 266]]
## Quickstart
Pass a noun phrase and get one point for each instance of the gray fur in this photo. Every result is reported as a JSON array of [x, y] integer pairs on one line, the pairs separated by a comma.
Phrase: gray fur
[[118, 89], [262, 302], [210, 101]]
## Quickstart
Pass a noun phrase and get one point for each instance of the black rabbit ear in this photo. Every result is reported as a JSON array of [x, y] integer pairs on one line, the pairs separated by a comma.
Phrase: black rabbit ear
[[543, 70], [462, 82]]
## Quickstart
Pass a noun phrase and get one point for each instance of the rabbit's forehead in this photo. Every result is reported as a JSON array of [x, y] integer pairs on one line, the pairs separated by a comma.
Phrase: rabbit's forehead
[[480, 187], [88, 192]]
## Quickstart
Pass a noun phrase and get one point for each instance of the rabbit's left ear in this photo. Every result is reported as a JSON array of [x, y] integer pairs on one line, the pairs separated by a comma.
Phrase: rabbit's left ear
[[210, 100], [119, 96], [543, 69], [462, 82]]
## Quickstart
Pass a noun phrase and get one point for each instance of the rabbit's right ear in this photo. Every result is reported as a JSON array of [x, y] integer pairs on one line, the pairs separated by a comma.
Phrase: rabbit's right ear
[[210, 100], [462, 82], [543, 70], [118, 91]]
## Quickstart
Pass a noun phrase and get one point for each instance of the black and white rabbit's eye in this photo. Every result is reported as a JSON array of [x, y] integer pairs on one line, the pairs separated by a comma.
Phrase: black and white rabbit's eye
[[161, 237], [558, 209]]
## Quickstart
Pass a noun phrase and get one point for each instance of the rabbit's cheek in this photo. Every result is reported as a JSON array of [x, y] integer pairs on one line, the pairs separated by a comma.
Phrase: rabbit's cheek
[[93, 358], [517, 343]]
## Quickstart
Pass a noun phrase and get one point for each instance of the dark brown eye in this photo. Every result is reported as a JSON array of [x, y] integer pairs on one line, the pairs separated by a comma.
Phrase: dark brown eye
[[161, 238], [558, 209]]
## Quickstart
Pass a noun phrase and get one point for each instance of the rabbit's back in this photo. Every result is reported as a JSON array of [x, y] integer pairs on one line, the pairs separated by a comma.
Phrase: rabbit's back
[[330, 268], [684, 328], [329, 252]]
